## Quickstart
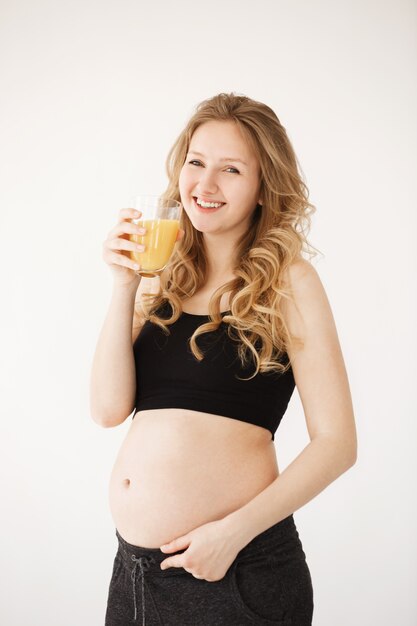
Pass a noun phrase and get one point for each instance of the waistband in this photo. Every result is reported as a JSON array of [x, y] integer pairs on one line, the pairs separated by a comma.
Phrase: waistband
[[151, 558], [141, 561], [270, 538], [154, 556]]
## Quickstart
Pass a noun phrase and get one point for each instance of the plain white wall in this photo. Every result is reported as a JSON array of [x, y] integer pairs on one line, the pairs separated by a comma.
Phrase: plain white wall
[[93, 95]]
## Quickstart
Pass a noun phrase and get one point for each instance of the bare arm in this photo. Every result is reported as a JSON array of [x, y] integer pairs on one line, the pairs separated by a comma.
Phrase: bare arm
[[113, 374], [323, 386]]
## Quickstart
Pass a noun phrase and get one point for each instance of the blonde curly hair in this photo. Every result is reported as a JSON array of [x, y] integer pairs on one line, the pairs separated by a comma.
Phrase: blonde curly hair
[[277, 237]]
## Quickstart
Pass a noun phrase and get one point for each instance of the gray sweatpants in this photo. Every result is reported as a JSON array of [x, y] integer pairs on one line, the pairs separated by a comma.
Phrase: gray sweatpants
[[268, 583]]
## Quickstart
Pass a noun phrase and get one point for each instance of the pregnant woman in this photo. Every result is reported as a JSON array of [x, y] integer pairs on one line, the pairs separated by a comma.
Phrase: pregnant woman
[[208, 355]]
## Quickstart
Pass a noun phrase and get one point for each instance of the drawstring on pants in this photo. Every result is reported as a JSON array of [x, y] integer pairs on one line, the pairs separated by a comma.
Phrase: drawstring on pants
[[144, 563]]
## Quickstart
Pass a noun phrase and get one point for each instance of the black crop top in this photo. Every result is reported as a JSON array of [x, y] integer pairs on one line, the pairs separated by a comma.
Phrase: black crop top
[[169, 376]]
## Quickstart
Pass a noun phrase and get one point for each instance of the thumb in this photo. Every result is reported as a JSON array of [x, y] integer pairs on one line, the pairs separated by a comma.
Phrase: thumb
[[176, 544]]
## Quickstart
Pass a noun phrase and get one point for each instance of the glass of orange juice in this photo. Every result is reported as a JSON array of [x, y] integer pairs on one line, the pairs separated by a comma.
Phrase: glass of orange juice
[[161, 219]]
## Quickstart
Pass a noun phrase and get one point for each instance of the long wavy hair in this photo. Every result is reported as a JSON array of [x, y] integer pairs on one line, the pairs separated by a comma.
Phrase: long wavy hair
[[277, 236]]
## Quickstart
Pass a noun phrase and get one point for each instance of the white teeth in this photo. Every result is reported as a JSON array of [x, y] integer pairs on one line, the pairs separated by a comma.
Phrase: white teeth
[[209, 205]]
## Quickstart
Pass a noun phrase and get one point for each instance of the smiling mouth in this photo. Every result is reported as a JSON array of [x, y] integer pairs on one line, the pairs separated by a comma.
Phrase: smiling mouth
[[208, 207]]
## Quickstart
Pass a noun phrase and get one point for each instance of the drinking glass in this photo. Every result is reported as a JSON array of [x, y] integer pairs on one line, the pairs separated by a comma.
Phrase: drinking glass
[[161, 219]]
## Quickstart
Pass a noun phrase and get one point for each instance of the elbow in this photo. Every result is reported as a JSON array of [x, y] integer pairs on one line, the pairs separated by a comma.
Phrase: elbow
[[100, 420], [350, 462], [353, 450], [350, 455], [108, 423], [343, 452], [109, 420], [354, 457], [348, 448]]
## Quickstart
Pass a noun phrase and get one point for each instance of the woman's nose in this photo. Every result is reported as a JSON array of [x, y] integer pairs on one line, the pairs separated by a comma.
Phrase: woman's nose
[[207, 182]]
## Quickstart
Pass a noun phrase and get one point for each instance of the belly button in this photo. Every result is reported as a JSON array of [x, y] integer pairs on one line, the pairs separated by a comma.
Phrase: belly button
[[126, 482]]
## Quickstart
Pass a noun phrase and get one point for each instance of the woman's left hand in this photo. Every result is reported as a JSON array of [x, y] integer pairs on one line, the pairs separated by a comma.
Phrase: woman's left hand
[[210, 550]]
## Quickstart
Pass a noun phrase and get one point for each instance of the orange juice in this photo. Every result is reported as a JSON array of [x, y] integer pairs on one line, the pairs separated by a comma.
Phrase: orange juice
[[159, 241]]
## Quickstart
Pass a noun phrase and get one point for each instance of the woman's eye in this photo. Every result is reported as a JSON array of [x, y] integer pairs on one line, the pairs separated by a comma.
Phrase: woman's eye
[[195, 162]]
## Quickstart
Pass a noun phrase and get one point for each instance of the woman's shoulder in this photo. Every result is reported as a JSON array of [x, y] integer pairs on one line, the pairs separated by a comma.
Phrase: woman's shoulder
[[300, 270], [308, 297]]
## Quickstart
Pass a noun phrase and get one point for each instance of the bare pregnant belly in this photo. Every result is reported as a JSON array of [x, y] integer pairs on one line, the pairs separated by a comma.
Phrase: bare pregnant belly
[[178, 469]]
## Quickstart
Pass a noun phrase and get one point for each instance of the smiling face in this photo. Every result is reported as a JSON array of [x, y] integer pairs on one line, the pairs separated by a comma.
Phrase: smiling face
[[220, 167]]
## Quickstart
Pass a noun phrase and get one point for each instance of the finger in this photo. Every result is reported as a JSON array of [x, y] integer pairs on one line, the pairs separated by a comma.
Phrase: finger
[[127, 214], [176, 544], [125, 244], [126, 228], [120, 259], [174, 561]]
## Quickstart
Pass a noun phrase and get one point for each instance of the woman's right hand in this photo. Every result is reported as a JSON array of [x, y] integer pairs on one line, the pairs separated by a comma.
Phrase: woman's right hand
[[117, 246]]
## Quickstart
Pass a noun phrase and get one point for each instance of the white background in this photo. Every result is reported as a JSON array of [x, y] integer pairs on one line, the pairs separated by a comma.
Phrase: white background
[[94, 93]]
